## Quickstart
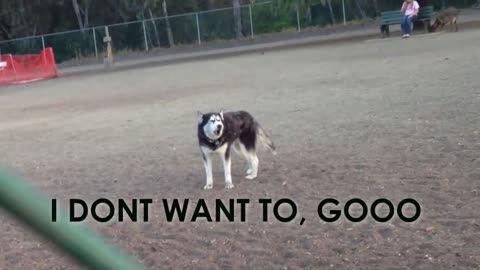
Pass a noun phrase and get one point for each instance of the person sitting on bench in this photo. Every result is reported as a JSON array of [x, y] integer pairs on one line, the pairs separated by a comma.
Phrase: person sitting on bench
[[410, 10]]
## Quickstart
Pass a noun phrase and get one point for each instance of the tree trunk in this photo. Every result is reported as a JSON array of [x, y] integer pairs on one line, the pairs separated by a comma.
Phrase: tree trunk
[[82, 22], [332, 15], [167, 22], [375, 6], [76, 8], [237, 18], [154, 27], [303, 8], [360, 9], [85, 17], [148, 37], [6, 33]]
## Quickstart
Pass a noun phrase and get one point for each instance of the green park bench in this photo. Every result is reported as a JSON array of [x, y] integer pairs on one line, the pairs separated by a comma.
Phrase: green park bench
[[396, 16]]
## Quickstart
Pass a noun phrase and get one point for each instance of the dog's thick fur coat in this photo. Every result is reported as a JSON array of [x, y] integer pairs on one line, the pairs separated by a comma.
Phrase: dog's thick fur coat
[[219, 132], [444, 17]]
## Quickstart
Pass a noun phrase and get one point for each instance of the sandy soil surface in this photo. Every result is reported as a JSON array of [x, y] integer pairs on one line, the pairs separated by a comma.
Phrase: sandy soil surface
[[385, 118]]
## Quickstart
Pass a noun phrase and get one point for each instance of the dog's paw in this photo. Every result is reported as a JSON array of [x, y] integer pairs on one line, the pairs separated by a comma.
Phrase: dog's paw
[[229, 186], [249, 171], [208, 186], [250, 177]]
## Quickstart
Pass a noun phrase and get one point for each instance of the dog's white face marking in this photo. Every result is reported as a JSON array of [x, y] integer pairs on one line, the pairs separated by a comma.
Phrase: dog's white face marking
[[213, 129]]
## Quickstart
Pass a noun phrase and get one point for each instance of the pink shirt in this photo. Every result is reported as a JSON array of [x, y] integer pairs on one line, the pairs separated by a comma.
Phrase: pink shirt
[[410, 8]]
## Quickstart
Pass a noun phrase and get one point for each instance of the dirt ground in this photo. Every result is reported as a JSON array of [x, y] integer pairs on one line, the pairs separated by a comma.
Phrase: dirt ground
[[384, 118]]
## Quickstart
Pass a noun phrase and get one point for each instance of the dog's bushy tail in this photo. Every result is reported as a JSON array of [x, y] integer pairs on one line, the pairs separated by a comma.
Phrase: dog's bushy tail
[[265, 140]]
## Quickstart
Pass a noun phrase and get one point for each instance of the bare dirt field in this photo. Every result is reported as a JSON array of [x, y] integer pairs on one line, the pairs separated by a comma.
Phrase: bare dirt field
[[384, 118]]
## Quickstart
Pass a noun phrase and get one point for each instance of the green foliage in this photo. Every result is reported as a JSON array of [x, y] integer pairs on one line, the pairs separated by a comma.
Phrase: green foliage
[[71, 45], [271, 18]]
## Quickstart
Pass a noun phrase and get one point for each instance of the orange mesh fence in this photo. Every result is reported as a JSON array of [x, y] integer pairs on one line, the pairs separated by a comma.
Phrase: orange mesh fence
[[27, 67]]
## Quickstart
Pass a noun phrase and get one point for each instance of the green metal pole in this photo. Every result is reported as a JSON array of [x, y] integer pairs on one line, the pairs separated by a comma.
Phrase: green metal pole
[[34, 209]]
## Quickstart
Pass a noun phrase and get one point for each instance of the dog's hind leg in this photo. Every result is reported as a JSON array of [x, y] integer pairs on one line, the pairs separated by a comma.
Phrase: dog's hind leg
[[240, 149], [254, 165], [252, 161]]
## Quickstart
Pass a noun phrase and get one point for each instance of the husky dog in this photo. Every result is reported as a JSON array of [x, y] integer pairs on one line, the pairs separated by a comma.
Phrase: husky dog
[[444, 17], [219, 131]]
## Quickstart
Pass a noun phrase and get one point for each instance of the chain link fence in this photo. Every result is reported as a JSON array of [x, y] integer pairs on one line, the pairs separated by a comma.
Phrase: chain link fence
[[203, 26]]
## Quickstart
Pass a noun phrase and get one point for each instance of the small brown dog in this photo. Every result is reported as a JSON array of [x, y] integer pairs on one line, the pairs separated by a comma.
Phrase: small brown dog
[[444, 17]]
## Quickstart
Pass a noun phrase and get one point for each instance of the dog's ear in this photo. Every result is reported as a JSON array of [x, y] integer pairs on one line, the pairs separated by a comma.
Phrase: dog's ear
[[221, 113], [199, 117]]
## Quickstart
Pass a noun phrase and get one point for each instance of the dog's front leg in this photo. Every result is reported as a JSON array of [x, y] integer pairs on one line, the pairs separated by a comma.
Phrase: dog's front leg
[[207, 163], [227, 164]]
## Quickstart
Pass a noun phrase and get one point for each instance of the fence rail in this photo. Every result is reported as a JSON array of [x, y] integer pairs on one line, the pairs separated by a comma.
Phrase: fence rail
[[190, 28]]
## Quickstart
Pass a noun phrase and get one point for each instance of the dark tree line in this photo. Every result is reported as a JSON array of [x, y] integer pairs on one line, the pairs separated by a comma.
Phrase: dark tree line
[[19, 18]]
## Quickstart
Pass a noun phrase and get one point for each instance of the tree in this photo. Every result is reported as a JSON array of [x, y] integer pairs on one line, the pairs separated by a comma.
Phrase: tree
[[360, 9], [167, 22], [237, 18], [332, 15], [303, 7], [79, 11]]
